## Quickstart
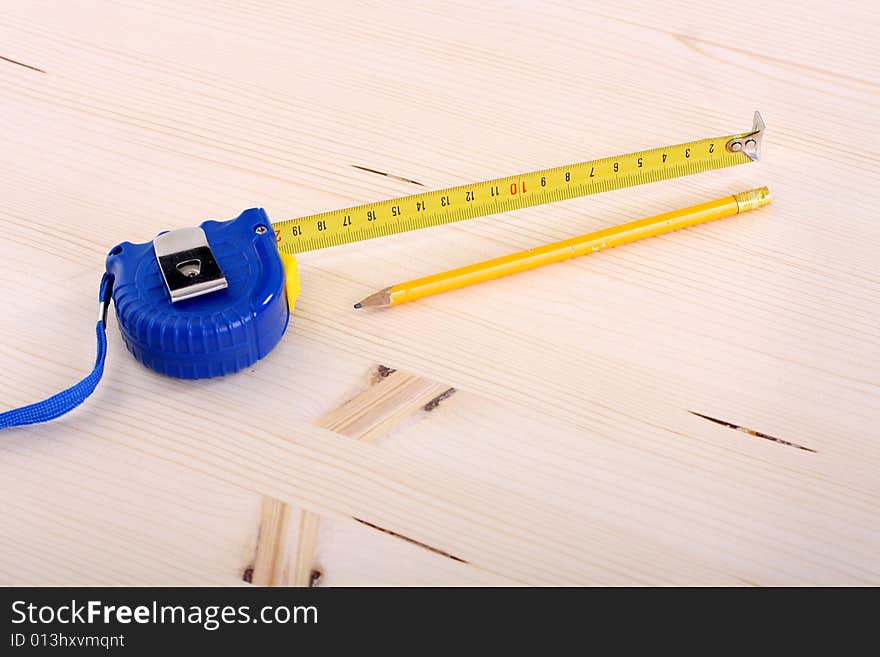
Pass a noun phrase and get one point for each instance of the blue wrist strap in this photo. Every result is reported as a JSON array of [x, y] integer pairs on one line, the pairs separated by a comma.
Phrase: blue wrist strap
[[66, 400]]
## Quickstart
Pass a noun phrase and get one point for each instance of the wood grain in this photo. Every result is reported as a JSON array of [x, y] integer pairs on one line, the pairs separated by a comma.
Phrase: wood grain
[[577, 448], [392, 398]]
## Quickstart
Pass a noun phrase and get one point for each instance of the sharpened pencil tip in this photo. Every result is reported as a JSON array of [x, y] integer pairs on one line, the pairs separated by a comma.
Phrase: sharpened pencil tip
[[379, 300]]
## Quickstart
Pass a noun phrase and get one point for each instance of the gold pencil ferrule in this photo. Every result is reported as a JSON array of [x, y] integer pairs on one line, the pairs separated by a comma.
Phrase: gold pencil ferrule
[[752, 199]]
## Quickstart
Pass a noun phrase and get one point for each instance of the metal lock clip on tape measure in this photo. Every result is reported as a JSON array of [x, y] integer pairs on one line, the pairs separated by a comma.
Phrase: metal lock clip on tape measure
[[210, 300]]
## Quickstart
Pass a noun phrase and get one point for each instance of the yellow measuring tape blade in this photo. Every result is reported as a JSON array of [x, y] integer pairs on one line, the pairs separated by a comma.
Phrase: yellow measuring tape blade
[[480, 199]]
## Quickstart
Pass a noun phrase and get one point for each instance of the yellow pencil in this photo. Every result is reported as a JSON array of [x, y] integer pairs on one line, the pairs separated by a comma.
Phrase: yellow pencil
[[570, 248]]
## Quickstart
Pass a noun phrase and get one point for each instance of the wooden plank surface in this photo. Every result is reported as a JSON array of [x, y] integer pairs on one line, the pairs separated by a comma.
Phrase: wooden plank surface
[[636, 417]]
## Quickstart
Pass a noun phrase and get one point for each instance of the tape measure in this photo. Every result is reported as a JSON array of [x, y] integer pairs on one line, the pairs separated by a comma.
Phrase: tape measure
[[384, 218], [212, 299]]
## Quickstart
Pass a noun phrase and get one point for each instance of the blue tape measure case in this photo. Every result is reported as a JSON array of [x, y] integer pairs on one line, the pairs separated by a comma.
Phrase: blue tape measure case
[[204, 301]]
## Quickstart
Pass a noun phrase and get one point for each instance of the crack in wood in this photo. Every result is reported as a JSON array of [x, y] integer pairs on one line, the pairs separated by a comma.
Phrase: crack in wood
[[12, 61], [389, 175], [434, 403], [412, 540], [382, 372], [752, 432]]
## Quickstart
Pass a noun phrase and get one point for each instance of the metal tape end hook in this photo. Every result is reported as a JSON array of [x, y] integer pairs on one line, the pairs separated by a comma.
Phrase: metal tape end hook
[[749, 143]]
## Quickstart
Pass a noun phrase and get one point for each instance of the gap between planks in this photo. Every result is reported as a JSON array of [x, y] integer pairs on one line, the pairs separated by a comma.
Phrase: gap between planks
[[391, 398]]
